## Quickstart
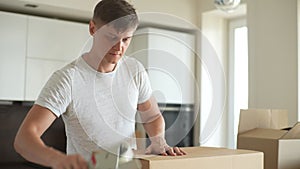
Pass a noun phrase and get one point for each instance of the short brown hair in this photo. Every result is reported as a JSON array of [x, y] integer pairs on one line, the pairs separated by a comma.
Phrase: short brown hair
[[119, 13]]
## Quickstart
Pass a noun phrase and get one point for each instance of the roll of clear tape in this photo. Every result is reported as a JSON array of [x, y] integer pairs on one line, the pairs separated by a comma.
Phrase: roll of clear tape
[[119, 157]]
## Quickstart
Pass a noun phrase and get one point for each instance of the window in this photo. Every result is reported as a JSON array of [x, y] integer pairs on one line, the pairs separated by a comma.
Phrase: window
[[238, 75]]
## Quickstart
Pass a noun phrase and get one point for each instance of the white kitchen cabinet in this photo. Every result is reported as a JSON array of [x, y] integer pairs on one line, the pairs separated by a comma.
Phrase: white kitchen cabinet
[[51, 44], [13, 29], [32, 48], [169, 59], [55, 39], [38, 71]]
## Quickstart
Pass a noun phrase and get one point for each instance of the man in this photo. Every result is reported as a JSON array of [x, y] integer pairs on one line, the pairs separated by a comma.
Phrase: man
[[97, 96]]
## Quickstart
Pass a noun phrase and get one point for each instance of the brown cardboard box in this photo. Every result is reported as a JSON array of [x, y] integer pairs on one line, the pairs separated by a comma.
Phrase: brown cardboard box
[[206, 158], [261, 130]]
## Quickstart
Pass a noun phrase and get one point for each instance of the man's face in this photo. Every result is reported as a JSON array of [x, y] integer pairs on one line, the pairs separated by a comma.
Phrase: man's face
[[112, 43]]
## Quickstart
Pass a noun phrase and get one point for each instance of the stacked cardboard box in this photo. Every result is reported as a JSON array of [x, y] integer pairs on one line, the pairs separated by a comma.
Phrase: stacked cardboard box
[[207, 158], [262, 130]]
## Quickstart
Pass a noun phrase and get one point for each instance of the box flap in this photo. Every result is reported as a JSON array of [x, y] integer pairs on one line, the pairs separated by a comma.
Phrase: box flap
[[294, 133], [264, 133], [262, 118]]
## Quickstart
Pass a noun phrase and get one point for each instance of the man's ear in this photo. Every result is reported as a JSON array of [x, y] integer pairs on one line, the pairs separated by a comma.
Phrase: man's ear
[[92, 27]]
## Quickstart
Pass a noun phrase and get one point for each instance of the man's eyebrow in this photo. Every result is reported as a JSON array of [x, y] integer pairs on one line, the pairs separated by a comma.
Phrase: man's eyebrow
[[126, 35], [110, 33]]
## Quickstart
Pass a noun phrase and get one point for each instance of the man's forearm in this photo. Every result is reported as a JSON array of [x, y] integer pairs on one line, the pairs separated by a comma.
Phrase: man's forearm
[[156, 127], [34, 150]]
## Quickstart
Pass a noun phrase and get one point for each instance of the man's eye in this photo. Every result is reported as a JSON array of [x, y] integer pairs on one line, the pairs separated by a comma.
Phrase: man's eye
[[125, 39]]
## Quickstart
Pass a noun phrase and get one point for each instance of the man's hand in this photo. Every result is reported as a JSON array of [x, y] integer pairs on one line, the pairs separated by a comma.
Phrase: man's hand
[[71, 162], [154, 125], [159, 146]]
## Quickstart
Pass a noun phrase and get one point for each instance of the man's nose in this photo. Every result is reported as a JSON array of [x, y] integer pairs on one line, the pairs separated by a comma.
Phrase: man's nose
[[118, 46]]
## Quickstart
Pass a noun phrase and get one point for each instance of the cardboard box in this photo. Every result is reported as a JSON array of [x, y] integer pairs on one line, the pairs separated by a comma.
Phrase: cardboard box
[[261, 130], [206, 158]]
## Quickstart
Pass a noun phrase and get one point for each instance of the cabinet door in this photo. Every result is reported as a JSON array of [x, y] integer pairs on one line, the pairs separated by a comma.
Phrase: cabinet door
[[37, 74], [170, 61], [55, 39], [51, 44], [12, 56]]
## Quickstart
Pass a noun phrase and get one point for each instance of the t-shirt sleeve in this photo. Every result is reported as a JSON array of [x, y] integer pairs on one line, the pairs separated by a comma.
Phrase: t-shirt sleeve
[[145, 90], [56, 94]]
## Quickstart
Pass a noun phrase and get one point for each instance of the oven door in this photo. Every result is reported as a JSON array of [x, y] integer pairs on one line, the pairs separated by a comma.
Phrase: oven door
[[179, 120]]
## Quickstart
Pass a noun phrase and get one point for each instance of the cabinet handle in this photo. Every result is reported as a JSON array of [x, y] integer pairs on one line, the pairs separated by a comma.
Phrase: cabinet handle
[[186, 109], [8, 103]]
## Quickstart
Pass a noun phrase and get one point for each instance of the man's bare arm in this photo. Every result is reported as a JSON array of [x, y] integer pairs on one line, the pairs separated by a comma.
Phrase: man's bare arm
[[29, 144], [154, 125]]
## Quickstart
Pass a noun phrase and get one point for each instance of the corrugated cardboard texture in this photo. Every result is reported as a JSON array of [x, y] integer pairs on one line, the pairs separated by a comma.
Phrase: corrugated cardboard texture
[[264, 140], [207, 158], [262, 118]]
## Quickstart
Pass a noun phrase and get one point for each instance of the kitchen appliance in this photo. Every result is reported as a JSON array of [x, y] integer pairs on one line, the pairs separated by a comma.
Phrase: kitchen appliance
[[179, 120]]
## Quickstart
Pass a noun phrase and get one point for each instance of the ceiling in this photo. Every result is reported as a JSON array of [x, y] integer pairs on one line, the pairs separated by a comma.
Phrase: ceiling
[[77, 10]]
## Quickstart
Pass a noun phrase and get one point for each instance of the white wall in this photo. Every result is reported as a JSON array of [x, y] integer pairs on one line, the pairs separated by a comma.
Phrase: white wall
[[273, 77], [185, 9], [298, 47], [214, 29], [272, 26], [214, 26]]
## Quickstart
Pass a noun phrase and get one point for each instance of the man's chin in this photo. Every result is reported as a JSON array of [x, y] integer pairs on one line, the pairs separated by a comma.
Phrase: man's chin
[[115, 60]]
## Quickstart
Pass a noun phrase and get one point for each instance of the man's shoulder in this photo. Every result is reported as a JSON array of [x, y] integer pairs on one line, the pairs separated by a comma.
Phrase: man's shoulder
[[132, 62], [70, 66], [67, 71]]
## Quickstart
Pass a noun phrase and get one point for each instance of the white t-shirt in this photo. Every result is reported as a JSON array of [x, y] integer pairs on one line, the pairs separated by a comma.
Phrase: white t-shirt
[[98, 109]]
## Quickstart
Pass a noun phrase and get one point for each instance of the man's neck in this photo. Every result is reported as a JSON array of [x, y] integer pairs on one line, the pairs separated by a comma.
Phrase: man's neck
[[106, 67], [100, 65]]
